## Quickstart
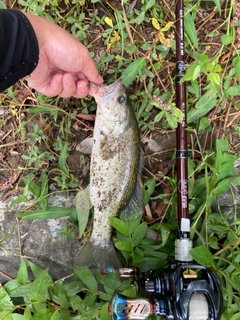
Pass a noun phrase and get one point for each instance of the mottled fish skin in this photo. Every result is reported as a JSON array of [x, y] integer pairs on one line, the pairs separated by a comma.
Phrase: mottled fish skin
[[116, 164]]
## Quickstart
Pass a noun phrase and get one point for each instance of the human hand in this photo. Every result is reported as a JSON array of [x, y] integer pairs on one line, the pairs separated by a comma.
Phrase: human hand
[[65, 67]]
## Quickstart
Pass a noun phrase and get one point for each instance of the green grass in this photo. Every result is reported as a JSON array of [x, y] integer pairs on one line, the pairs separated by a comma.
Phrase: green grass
[[139, 47]]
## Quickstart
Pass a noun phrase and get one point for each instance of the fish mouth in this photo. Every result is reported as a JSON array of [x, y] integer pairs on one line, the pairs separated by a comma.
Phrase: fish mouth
[[104, 90]]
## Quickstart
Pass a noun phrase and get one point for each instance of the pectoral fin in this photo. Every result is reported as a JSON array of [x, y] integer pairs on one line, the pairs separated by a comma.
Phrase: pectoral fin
[[85, 146]]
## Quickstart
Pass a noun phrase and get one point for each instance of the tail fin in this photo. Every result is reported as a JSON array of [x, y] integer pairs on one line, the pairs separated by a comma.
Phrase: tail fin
[[97, 256]]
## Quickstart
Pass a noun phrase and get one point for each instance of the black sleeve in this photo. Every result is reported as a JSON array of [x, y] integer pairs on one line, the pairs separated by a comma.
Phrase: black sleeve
[[18, 47]]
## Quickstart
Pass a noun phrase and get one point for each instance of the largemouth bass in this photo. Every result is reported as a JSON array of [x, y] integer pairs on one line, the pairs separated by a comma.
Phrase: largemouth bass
[[116, 164]]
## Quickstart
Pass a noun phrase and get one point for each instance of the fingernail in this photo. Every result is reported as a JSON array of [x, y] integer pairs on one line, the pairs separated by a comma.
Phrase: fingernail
[[100, 79]]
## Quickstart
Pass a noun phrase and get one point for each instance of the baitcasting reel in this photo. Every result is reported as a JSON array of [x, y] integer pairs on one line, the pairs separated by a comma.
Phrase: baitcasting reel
[[183, 292]]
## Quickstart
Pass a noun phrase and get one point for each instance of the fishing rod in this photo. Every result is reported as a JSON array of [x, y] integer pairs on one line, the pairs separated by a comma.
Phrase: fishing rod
[[184, 291], [183, 244]]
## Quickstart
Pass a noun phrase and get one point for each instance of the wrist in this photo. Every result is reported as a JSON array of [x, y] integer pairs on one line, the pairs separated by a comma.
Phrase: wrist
[[38, 25]]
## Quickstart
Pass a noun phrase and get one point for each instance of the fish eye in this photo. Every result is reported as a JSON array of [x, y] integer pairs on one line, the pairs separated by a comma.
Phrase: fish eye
[[121, 99]]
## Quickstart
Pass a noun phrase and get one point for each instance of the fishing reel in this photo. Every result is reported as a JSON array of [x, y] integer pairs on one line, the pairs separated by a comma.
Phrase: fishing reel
[[182, 292]]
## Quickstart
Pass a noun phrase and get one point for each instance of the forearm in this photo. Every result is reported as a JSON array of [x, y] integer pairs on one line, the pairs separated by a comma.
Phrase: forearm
[[19, 47]]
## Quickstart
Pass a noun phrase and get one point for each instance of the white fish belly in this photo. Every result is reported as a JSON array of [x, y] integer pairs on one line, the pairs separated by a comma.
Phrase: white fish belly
[[110, 174]]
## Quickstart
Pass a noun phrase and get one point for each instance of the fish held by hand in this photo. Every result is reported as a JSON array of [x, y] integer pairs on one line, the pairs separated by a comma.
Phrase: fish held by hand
[[116, 165]]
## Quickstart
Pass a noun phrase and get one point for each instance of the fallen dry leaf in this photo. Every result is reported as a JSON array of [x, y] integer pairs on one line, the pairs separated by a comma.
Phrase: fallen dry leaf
[[88, 117]]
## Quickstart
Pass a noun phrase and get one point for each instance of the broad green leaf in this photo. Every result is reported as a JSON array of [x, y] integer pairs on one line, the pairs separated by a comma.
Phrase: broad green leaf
[[40, 286], [27, 314], [37, 271], [155, 253], [16, 316], [138, 255], [222, 187], [214, 78], [139, 234], [190, 28], [2, 5], [172, 122], [221, 146], [62, 159], [105, 296], [76, 303], [34, 188], [196, 72], [235, 316], [86, 276], [90, 299], [154, 263], [5, 315], [202, 107], [22, 275], [119, 225], [232, 280], [219, 229], [104, 315], [192, 72], [16, 290], [238, 71], [148, 189], [218, 5], [44, 191], [64, 304], [236, 179], [141, 17], [226, 39], [55, 315], [233, 91], [149, 4], [129, 292], [49, 213], [132, 71], [113, 281], [235, 222], [5, 300], [209, 66], [18, 200], [159, 116], [226, 167], [204, 124], [44, 110], [124, 245], [132, 225], [202, 256], [236, 282], [165, 232]]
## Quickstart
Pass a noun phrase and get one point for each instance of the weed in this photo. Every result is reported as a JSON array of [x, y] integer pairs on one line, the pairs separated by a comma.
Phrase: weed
[[138, 45], [37, 157]]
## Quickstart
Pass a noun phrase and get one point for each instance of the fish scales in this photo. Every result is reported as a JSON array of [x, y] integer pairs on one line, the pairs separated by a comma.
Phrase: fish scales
[[116, 164]]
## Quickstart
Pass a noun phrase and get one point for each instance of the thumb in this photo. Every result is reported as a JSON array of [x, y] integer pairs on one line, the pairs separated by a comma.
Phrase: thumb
[[89, 69]]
